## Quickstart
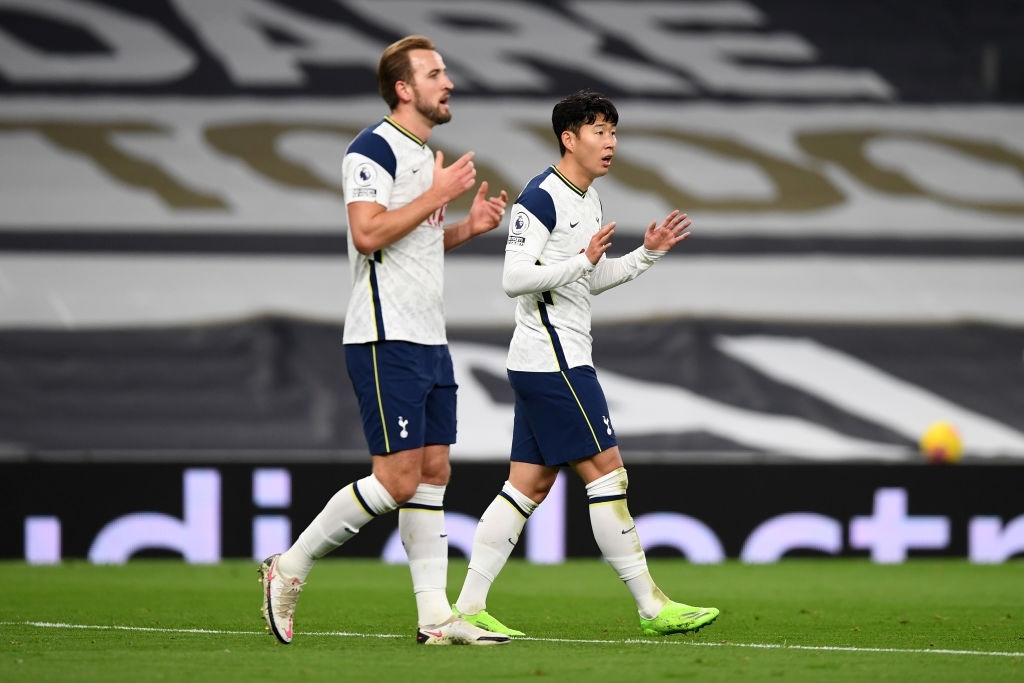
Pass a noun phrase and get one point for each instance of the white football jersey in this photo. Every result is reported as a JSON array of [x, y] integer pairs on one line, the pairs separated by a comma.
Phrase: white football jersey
[[552, 222], [398, 291]]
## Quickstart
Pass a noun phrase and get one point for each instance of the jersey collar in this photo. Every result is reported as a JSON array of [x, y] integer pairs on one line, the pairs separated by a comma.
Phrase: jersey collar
[[404, 131], [568, 182]]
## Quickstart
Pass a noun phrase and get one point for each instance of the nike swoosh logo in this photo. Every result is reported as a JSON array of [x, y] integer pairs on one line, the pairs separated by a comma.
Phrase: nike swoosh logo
[[415, 170], [573, 225], [436, 634], [626, 531], [511, 541]]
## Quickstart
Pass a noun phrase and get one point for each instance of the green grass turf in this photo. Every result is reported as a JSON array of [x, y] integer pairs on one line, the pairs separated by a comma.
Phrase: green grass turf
[[797, 620]]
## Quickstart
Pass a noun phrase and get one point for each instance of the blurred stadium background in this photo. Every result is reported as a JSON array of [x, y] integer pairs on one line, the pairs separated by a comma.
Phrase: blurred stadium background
[[173, 277]]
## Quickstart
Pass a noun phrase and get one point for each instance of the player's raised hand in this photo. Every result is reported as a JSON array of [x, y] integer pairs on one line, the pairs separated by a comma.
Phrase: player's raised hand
[[486, 212], [600, 242], [452, 181], [671, 231]]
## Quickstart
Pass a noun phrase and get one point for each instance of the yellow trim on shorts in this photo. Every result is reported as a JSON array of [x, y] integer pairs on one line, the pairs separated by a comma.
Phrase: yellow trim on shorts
[[380, 401], [597, 442]]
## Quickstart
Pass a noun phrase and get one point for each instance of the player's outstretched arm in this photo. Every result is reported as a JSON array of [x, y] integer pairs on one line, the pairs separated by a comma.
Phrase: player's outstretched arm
[[658, 240]]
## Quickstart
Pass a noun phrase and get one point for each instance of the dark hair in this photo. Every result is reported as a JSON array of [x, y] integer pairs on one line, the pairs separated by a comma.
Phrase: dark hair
[[581, 109], [395, 66]]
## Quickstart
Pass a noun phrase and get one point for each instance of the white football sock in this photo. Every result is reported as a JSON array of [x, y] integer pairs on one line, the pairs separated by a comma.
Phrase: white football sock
[[345, 513], [619, 542], [421, 526], [496, 536]]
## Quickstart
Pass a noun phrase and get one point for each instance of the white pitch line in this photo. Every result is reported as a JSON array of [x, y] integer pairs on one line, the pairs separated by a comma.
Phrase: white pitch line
[[585, 641]]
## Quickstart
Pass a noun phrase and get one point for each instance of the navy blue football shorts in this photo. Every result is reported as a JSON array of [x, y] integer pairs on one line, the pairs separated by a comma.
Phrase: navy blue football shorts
[[559, 416], [406, 394]]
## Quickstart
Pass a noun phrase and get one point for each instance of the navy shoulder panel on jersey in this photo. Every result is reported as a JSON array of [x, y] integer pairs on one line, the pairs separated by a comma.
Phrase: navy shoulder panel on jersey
[[373, 146], [538, 202]]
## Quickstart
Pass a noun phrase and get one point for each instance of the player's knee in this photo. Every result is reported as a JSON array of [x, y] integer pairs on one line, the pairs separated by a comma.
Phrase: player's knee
[[402, 489], [400, 484], [437, 474], [536, 488], [436, 467]]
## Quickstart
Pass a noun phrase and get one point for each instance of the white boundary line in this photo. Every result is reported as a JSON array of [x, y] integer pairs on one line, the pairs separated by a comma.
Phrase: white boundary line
[[628, 641]]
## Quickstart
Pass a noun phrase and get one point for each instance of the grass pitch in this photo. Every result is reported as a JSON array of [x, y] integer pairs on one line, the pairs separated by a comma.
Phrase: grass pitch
[[797, 620]]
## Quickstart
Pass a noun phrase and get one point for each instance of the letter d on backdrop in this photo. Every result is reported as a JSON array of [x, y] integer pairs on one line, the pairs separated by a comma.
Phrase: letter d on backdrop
[[197, 537]]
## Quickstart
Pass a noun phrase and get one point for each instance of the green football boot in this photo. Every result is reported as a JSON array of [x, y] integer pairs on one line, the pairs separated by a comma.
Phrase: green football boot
[[485, 621], [676, 617]]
